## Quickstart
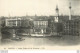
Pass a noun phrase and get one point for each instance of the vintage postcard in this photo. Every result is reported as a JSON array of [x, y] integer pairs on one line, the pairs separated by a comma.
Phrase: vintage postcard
[[39, 24]]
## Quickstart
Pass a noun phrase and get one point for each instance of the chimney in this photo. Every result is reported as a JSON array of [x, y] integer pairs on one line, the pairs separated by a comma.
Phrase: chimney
[[70, 11]]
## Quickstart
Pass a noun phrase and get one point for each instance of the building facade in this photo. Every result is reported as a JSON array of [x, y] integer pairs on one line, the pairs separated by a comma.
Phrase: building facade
[[72, 27], [40, 26], [55, 28], [13, 22]]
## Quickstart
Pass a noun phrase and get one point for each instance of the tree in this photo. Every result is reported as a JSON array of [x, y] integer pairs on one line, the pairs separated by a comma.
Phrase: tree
[[24, 23]]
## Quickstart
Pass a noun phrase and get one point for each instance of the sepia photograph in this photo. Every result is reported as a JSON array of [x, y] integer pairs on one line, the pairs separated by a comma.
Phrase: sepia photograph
[[39, 24]]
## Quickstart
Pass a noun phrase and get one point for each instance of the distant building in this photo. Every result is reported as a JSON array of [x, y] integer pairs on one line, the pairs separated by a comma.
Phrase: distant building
[[51, 25], [10, 27], [13, 22], [72, 27], [54, 28], [40, 26]]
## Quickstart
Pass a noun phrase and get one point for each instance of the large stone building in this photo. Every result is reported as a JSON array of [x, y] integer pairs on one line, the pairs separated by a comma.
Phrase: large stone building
[[72, 27], [40, 25], [10, 28], [13, 22], [16, 26], [54, 28]]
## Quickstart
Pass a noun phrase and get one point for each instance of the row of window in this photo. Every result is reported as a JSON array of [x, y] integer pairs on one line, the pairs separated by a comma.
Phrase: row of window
[[40, 23], [13, 23]]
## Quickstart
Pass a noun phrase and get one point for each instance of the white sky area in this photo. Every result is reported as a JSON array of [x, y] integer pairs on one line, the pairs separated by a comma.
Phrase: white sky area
[[38, 7], [42, 51]]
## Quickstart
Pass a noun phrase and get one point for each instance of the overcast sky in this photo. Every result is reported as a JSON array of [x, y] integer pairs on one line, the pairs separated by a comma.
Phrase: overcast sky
[[39, 7]]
